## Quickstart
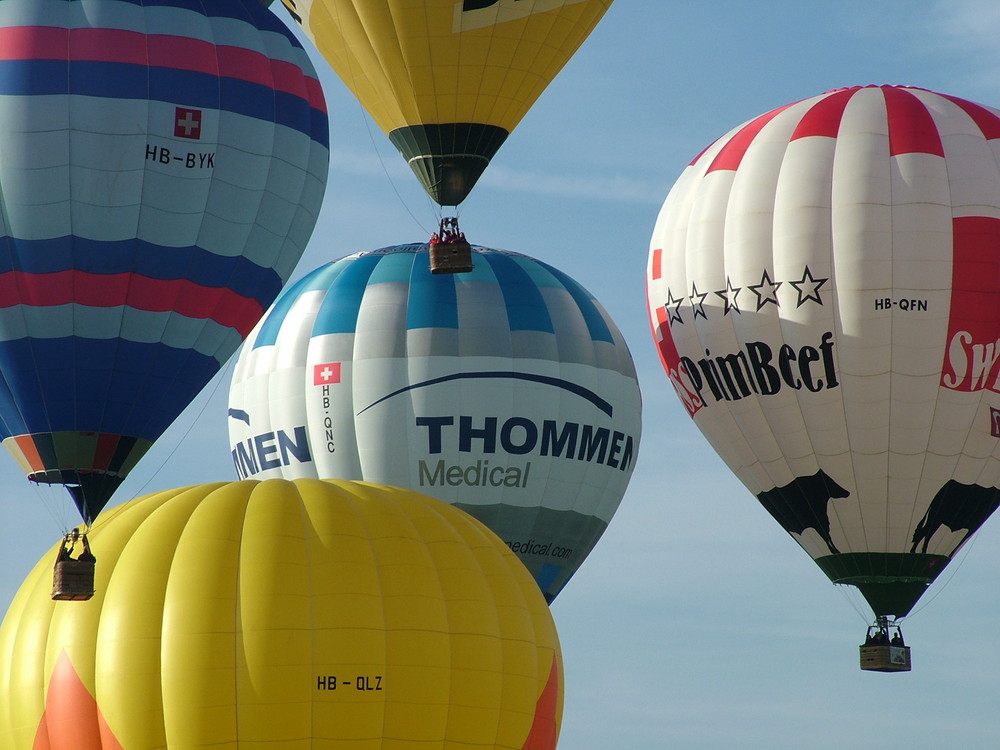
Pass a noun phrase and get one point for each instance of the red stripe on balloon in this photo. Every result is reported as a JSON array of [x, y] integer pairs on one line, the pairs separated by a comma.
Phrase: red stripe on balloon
[[702, 153], [104, 451], [974, 316], [986, 120], [158, 50], [657, 270], [185, 53], [224, 306], [911, 127], [730, 156], [823, 118], [34, 43]]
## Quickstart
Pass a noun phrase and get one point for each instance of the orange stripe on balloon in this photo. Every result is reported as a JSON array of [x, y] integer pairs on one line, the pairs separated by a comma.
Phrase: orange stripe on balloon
[[545, 728], [26, 443], [72, 720]]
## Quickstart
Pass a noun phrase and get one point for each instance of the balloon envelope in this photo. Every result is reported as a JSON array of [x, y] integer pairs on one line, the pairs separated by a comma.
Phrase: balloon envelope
[[294, 615], [447, 80], [824, 291], [162, 166], [507, 391]]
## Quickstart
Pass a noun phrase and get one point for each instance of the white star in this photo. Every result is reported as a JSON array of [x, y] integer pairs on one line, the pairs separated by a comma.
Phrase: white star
[[808, 288], [673, 308], [729, 294], [699, 306], [766, 290]]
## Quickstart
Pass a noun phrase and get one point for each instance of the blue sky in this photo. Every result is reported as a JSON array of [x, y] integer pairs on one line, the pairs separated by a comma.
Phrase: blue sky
[[696, 622]]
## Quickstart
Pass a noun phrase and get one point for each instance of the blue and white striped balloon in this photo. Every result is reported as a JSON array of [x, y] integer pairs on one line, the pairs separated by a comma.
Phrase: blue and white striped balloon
[[507, 391], [162, 165]]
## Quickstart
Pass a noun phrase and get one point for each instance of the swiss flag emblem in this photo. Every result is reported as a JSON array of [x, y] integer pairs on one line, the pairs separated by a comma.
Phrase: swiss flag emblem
[[187, 123], [326, 373]]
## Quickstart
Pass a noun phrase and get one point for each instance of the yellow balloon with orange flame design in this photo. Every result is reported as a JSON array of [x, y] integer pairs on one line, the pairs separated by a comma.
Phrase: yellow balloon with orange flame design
[[305, 614]]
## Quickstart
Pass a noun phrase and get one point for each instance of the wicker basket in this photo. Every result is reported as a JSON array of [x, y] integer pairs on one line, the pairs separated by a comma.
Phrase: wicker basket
[[451, 257], [73, 580], [885, 658]]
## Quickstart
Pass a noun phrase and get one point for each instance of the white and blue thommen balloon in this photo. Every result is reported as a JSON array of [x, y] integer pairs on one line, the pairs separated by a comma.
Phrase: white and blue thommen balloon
[[507, 391]]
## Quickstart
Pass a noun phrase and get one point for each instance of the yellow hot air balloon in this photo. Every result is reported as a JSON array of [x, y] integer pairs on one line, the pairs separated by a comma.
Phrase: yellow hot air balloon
[[447, 80], [306, 614]]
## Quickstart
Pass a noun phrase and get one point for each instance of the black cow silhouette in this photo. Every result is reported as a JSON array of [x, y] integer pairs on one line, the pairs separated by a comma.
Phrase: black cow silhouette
[[802, 505], [957, 506]]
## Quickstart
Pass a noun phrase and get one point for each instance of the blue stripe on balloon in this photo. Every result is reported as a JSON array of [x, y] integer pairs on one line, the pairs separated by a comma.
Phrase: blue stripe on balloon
[[71, 384], [397, 267], [294, 112], [224, 8], [433, 299], [33, 77], [250, 11], [596, 324], [244, 98], [200, 266], [526, 308], [339, 311], [547, 576], [182, 87], [11, 422], [481, 270], [319, 279]]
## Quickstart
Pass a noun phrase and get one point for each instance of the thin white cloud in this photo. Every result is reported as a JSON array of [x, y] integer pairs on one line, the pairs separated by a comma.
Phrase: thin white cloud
[[611, 188], [367, 163], [971, 22], [969, 29], [500, 177]]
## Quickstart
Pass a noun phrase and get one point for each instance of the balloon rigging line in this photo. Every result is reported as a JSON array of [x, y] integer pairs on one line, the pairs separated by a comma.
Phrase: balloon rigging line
[[219, 376], [366, 118], [953, 570], [368, 127], [850, 595], [53, 506]]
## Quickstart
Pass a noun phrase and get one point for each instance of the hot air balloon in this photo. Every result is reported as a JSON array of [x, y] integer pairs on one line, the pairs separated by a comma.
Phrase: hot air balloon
[[307, 614], [824, 291], [447, 80], [507, 391], [162, 166]]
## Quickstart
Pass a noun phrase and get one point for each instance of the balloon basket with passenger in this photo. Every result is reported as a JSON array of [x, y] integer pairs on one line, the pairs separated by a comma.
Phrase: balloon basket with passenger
[[884, 649], [450, 252], [73, 572], [73, 577]]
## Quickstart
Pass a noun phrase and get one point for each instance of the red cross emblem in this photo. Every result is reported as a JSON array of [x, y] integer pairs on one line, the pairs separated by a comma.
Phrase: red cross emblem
[[187, 123], [326, 373]]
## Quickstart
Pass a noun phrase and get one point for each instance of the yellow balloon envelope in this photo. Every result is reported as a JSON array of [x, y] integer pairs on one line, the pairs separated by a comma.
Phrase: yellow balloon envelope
[[295, 615], [447, 80]]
